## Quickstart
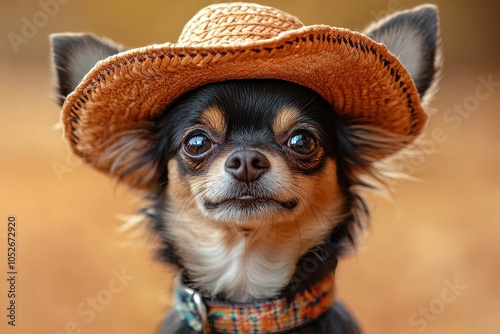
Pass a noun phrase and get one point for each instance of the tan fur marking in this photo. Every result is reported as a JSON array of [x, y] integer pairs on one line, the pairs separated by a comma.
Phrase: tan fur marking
[[213, 118], [180, 192], [285, 119]]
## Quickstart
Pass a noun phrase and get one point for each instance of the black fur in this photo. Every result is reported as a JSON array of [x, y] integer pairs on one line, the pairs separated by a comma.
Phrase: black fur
[[254, 102], [422, 25], [260, 95], [74, 55], [250, 105]]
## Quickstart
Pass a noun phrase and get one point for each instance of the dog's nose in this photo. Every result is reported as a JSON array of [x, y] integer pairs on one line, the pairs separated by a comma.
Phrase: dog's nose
[[247, 165]]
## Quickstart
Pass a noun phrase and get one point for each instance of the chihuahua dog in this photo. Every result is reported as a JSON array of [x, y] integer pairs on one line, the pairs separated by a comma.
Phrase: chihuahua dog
[[254, 185]]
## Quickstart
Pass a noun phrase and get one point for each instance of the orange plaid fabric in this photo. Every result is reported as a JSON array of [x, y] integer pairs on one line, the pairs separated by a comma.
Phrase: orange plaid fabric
[[270, 316]]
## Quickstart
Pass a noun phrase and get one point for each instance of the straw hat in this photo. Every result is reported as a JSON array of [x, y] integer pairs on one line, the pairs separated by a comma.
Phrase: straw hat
[[357, 76]]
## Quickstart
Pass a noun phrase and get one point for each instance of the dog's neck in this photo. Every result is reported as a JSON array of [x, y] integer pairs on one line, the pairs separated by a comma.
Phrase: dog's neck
[[268, 316], [226, 263]]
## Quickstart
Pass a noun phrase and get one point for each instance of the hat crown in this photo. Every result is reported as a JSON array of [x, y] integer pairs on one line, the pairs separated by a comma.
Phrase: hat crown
[[236, 24]]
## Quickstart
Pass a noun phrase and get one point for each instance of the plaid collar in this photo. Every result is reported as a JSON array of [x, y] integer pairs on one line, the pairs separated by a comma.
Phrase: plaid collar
[[270, 316]]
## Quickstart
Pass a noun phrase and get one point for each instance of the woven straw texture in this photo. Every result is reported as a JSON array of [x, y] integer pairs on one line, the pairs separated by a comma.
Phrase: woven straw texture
[[358, 77]]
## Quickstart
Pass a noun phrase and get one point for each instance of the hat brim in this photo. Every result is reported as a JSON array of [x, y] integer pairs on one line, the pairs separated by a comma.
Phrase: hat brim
[[357, 76]]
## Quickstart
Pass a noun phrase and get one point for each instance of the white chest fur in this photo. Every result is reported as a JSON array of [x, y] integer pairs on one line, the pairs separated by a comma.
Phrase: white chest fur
[[244, 267]]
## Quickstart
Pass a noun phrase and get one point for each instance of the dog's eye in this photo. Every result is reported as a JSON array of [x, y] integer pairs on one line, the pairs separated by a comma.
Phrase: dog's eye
[[197, 144], [302, 142]]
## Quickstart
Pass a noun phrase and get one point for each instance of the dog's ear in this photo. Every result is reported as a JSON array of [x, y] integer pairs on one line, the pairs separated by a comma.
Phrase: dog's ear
[[138, 158], [73, 55], [413, 37]]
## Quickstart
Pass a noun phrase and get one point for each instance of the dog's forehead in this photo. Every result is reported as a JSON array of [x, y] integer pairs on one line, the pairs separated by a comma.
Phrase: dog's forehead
[[248, 111], [285, 119], [257, 110], [245, 122], [214, 119]]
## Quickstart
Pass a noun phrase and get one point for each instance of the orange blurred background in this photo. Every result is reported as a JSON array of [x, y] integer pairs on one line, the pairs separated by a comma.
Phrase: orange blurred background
[[430, 263]]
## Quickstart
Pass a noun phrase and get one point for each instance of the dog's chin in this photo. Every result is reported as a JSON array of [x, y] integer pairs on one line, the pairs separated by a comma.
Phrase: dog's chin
[[248, 210]]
